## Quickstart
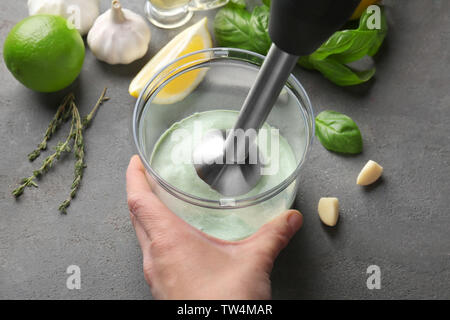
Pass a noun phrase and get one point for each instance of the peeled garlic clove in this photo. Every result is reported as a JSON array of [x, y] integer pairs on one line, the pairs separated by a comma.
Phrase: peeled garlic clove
[[369, 173], [329, 211]]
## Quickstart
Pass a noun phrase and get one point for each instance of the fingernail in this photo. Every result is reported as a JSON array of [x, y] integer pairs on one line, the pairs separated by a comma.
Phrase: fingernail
[[295, 220]]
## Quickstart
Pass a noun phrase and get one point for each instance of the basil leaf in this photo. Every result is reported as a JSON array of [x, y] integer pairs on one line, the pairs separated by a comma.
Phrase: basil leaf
[[259, 24], [365, 41], [341, 74], [362, 43], [347, 46], [344, 47], [238, 3], [338, 132], [232, 29], [305, 62], [236, 27], [339, 42]]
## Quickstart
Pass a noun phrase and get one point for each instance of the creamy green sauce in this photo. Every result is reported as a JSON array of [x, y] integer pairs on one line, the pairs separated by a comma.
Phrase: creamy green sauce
[[171, 159]]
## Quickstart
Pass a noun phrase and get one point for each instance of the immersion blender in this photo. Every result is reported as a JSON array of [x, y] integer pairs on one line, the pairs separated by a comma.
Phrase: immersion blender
[[296, 28]]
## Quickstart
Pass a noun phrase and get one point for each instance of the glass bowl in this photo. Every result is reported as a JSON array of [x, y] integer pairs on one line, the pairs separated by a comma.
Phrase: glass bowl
[[224, 78]]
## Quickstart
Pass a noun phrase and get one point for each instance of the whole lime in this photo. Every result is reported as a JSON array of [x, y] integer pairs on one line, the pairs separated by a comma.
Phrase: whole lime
[[44, 52]]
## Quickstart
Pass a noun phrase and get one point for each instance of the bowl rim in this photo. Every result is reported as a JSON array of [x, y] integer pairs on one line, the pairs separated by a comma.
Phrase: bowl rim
[[209, 203]]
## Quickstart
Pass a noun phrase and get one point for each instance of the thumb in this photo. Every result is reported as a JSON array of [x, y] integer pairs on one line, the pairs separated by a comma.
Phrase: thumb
[[272, 237], [154, 217]]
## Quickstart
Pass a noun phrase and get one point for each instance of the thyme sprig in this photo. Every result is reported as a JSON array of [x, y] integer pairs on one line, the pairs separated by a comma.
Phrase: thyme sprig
[[78, 147], [101, 99], [74, 142], [61, 116], [46, 164]]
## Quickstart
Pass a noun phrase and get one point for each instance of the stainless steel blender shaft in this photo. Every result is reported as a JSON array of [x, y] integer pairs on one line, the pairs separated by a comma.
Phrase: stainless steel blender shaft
[[231, 172], [262, 96]]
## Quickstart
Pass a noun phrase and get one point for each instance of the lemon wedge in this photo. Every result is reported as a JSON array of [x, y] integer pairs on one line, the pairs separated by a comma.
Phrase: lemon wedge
[[194, 38]]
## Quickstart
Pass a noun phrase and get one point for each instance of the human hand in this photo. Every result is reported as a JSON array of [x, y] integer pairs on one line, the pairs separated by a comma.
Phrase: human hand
[[181, 262]]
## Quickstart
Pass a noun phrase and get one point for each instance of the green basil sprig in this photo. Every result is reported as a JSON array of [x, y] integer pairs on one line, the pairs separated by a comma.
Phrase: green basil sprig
[[344, 47], [338, 132], [234, 26]]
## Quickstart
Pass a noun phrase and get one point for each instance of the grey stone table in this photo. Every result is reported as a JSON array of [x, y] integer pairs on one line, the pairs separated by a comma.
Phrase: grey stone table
[[401, 224]]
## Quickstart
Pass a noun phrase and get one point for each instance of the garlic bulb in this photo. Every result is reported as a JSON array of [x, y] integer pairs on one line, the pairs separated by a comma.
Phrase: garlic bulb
[[119, 36], [82, 13]]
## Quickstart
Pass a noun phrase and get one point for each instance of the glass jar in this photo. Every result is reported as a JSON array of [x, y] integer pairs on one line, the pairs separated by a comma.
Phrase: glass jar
[[227, 76]]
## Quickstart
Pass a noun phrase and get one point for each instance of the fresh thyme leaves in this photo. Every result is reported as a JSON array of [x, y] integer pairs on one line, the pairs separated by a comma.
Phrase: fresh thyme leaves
[[80, 125], [91, 114], [61, 116], [74, 142], [46, 164]]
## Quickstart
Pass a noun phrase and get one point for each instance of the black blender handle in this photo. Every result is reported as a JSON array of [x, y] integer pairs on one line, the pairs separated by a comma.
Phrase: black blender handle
[[299, 27]]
